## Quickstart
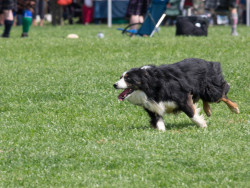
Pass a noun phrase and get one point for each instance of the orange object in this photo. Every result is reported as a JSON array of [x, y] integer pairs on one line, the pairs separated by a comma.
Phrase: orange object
[[64, 2]]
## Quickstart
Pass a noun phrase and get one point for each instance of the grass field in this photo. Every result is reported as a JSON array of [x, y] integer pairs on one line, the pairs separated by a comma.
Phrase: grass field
[[61, 124]]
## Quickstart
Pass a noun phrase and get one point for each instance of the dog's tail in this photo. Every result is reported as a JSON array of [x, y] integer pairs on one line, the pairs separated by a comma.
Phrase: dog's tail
[[231, 105]]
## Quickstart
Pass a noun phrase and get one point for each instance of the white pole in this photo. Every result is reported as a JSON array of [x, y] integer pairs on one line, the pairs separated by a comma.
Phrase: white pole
[[158, 24], [248, 12], [109, 13]]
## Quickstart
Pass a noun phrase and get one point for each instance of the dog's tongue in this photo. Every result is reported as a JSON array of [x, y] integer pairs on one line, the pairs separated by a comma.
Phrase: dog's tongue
[[123, 95]]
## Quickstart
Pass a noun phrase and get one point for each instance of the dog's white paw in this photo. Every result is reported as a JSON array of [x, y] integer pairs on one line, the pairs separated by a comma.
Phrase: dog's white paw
[[199, 119], [203, 125], [160, 125]]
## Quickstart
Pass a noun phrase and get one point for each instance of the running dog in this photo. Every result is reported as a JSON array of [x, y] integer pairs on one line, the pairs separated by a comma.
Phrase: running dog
[[176, 87]]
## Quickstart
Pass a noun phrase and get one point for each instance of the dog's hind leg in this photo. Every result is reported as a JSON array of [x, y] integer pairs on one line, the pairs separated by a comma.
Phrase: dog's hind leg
[[231, 105], [191, 110], [206, 108], [156, 120]]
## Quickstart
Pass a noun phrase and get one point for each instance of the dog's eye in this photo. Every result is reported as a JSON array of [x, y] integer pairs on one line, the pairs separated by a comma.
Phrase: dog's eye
[[128, 78]]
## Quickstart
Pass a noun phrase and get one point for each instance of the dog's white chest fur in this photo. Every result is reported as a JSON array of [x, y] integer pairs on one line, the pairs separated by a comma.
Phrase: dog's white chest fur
[[140, 98]]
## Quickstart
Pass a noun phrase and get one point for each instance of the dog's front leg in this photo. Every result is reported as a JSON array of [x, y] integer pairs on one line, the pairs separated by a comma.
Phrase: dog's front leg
[[192, 112], [156, 120]]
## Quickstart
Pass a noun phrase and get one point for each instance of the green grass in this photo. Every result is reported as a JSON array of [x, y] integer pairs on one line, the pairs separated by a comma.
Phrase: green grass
[[61, 124]]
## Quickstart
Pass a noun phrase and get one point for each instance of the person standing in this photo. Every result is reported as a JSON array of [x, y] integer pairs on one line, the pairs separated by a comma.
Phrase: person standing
[[26, 7], [234, 20], [39, 10], [136, 10], [232, 6], [219, 6], [57, 12], [87, 11], [7, 7]]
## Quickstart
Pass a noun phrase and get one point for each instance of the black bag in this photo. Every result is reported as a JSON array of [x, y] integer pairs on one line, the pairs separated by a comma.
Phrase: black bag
[[191, 25]]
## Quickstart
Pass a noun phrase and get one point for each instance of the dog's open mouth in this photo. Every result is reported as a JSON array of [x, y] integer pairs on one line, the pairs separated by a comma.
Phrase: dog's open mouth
[[125, 94]]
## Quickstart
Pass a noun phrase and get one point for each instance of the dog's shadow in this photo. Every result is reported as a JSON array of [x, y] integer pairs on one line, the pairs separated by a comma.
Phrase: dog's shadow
[[178, 126]]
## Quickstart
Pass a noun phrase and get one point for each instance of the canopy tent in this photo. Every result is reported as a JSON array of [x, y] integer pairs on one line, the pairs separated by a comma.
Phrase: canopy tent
[[109, 16]]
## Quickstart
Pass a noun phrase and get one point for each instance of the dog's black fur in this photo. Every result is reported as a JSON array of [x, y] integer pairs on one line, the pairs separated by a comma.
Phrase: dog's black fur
[[184, 83], [173, 82]]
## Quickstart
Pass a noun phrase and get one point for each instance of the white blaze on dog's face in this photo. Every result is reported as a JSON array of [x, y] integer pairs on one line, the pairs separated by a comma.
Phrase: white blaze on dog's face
[[132, 82], [121, 84]]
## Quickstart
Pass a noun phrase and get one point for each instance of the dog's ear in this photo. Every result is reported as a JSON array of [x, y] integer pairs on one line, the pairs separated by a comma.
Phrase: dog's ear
[[143, 77], [145, 80], [134, 77], [150, 81]]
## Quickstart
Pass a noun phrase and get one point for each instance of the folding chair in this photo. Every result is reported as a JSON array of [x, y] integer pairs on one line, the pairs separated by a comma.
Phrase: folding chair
[[153, 19]]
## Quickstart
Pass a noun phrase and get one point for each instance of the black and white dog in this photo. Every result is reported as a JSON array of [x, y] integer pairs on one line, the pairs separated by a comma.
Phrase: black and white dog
[[175, 87]]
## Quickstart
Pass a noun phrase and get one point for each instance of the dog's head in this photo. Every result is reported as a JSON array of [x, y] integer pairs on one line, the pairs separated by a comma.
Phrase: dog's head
[[130, 81]]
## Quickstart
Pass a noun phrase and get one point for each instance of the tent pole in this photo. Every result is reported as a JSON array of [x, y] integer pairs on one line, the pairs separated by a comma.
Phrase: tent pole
[[248, 12], [109, 13]]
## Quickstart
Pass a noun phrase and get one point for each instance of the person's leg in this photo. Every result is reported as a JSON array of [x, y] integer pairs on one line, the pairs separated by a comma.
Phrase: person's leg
[[234, 20], [41, 11], [53, 12], [1, 19], [59, 14], [87, 15], [41, 22], [8, 21], [70, 14], [133, 20], [232, 4], [141, 19], [35, 13], [26, 22]]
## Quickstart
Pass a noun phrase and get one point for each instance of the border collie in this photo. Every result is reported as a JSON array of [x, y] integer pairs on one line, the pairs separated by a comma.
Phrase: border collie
[[174, 88]]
